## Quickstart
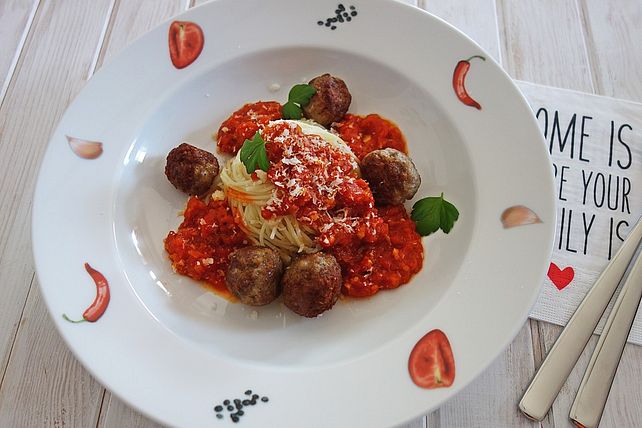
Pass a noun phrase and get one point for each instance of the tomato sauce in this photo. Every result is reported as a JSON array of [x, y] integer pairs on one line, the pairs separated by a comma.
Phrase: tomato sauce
[[317, 184], [367, 133], [201, 246], [387, 263], [243, 124]]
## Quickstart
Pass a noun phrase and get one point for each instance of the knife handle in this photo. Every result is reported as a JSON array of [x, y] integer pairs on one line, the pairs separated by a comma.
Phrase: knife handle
[[594, 390], [561, 359]]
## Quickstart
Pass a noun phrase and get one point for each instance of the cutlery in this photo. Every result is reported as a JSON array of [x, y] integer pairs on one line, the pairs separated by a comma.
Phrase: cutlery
[[591, 397], [561, 359]]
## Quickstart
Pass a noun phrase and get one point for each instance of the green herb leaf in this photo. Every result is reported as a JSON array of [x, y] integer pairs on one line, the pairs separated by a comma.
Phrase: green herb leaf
[[301, 94], [254, 155], [433, 213], [298, 97], [291, 111]]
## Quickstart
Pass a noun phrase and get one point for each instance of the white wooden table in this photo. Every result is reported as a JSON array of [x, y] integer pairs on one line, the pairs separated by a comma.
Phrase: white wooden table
[[48, 50]]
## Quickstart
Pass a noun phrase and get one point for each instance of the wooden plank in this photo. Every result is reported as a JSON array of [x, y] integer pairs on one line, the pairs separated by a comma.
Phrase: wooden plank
[[133, 19], [16, 17], [543, 42], [613, 35], [50, 71], [417, 423], [490, 401], [121, 415], [478, 19], [45, 385]]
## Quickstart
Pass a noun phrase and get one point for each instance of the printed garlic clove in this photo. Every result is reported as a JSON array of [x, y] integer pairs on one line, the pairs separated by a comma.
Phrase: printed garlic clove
[[84, 148], [519, 215]]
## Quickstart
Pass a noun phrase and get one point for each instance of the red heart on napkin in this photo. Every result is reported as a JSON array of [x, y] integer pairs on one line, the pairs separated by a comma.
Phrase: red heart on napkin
[[560, 278]]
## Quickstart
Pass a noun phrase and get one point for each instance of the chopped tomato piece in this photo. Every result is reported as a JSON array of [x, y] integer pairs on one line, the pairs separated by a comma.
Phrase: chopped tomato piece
[[243, 124], [367, 133]]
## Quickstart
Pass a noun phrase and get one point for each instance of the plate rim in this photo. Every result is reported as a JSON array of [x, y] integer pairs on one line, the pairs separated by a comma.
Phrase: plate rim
[[195, 10]]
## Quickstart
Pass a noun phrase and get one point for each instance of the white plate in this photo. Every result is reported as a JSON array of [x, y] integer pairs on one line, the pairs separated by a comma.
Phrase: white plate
[[173, 350]]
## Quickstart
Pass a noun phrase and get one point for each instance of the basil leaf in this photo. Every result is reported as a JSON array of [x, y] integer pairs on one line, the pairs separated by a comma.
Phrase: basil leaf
[[262, 159], [291, 111], [253, 154], [301, 94], [433, 213], [450, 214]]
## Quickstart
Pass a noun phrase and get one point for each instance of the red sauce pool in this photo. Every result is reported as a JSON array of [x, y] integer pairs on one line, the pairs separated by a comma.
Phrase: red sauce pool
[[367, 133], [201, 246], [243, 124], [387, 263]]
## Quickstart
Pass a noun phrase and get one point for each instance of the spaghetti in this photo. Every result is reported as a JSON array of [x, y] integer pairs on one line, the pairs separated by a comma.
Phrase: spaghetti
[[289, 208], [247, 195]]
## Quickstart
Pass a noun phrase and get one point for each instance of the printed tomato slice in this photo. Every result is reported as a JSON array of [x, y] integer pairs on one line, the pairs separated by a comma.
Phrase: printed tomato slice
[[431, 363], [185, 43]]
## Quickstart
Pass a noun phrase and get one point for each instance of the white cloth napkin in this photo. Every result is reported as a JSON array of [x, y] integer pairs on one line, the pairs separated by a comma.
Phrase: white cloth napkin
[[596, 149]]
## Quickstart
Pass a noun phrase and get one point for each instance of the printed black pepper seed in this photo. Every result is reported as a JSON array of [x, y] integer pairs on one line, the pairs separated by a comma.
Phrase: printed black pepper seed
[[218, 408], [252, 402], [236, 400], [235, 418], [226, 402], [333, 19], [219, 416], [353, 13], [334, 27], [340, 19], [230, 408], [239, 406], [255, 396], [348, 19], [249, 391], [352, 8], [337, 12], [240, 413], [327, 24], [320, 22], [345, 14], [246, 402], [265, 399]]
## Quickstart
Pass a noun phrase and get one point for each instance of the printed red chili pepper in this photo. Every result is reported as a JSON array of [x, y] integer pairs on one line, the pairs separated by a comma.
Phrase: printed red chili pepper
[[459, 81], [99, 305]]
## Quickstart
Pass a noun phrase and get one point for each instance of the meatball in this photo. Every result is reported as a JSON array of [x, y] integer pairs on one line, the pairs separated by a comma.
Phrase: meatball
[[312, 284], [391, 175], [331, 101], [254, 275], [190, 169]]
